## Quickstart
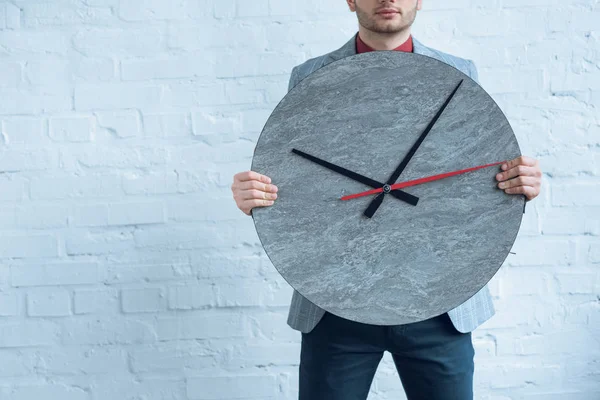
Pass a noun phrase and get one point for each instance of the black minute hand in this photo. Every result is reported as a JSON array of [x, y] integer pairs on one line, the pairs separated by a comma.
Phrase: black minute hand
[[409, 198], [376, 202]]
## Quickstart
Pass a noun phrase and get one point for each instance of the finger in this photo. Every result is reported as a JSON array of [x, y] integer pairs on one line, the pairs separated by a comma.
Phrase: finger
[[518, 181], [521, 160], [254, 184], [528, 191], [252, 175], [250, 204], [519, 170], [252, 194]]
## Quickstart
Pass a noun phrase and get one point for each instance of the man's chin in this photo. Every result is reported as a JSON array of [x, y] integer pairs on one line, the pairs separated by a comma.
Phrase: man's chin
[[388, 28]]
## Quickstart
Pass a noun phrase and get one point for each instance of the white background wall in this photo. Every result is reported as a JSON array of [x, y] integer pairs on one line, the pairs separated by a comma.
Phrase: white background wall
[[127, 272]]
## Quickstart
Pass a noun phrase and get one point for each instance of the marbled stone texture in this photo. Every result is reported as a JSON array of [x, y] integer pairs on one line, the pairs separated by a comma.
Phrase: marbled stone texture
[[408, 263]]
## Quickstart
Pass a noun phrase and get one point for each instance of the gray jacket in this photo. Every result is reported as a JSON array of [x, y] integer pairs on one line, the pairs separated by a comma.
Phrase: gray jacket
[[304, 315]]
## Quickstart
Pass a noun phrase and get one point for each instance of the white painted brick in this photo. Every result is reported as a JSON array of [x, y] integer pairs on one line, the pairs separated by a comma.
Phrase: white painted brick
[[10, 72], [169, 357], [142, 300], [27, 160], [52, 274], [191, 297], [31, 42], [576, 283], [116, 96], [257, 8], [203, 326], [143, 10], [167, 272], [41, 216], [10, 16], [89, 215], [49, 72], [99, 361], [96, 301], [35, 100], [11, 189], [48, 303], [92, 70], [189, 66], [542, 251], [231, 387], [105, 242], [150, 183], [582, 193], [28, 246], [101, 331], [36, 15], [136, 213], [71, 129], [166, 125], [122, 124], [571, 221], [24, 130], [9, 304], [90, 186], [119, 41], [29, 333]]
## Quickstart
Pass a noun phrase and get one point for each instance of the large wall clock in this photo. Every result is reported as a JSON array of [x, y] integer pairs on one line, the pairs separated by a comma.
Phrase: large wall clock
[[388, 209]]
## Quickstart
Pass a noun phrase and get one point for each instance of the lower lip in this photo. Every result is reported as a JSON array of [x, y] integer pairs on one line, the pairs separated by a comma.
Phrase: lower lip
[[388, 14]]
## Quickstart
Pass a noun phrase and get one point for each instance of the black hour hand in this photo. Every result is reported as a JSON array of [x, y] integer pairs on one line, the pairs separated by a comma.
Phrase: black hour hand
[[399, 194]]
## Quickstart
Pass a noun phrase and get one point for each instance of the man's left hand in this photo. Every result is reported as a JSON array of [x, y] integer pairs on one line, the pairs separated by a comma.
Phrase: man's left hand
[[521, 175]]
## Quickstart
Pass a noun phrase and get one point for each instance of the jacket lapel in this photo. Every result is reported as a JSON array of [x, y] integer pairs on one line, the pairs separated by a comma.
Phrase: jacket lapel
[[349, 49]]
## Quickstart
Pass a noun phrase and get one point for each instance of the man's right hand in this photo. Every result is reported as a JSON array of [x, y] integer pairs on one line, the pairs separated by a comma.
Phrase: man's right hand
[[251, 189]]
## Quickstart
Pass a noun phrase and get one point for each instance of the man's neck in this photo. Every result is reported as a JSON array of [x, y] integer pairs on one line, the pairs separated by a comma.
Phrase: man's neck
[[378, 41]]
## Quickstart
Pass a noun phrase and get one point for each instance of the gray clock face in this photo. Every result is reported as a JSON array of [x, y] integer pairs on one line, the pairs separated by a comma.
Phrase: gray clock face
[[406, 262]]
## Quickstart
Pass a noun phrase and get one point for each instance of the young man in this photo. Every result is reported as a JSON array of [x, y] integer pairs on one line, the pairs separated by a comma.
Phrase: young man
[[339, 357]]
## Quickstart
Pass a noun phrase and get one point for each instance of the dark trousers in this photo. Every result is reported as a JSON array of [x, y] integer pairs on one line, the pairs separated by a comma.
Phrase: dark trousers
[[339, 357]]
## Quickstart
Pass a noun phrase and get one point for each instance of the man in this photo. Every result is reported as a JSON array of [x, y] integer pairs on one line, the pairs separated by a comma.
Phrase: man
[[339, 357]]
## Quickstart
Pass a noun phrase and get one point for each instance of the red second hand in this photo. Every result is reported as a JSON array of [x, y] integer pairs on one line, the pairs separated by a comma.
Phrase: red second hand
[[419, 181]]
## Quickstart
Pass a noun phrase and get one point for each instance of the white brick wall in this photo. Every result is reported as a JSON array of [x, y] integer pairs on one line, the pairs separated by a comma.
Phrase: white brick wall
[[126, 271]]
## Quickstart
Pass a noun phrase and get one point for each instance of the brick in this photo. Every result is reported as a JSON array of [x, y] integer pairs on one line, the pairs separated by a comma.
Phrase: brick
[[582, 193], [136, 213], [142, 300], [24, 130], [116, 96], [191, 297], [208, 325], [28, 246], [48, 303], [119, 42], [9, 305], [10, 72], [55, 14], [167, 125], [71, 129], [189, 66], [52, 274], [29, 333], [35, 100], [31, 42], [101, 331], [171, 358], [151, 182], [87, 186], [145, 10], [96, 301], [231, 387], [104, 242]]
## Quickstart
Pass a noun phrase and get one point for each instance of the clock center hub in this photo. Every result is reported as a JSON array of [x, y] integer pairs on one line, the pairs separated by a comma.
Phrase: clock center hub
[[387, 188]]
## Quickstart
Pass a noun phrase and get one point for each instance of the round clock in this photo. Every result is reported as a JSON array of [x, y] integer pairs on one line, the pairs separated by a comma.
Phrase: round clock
[[388, 211]]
